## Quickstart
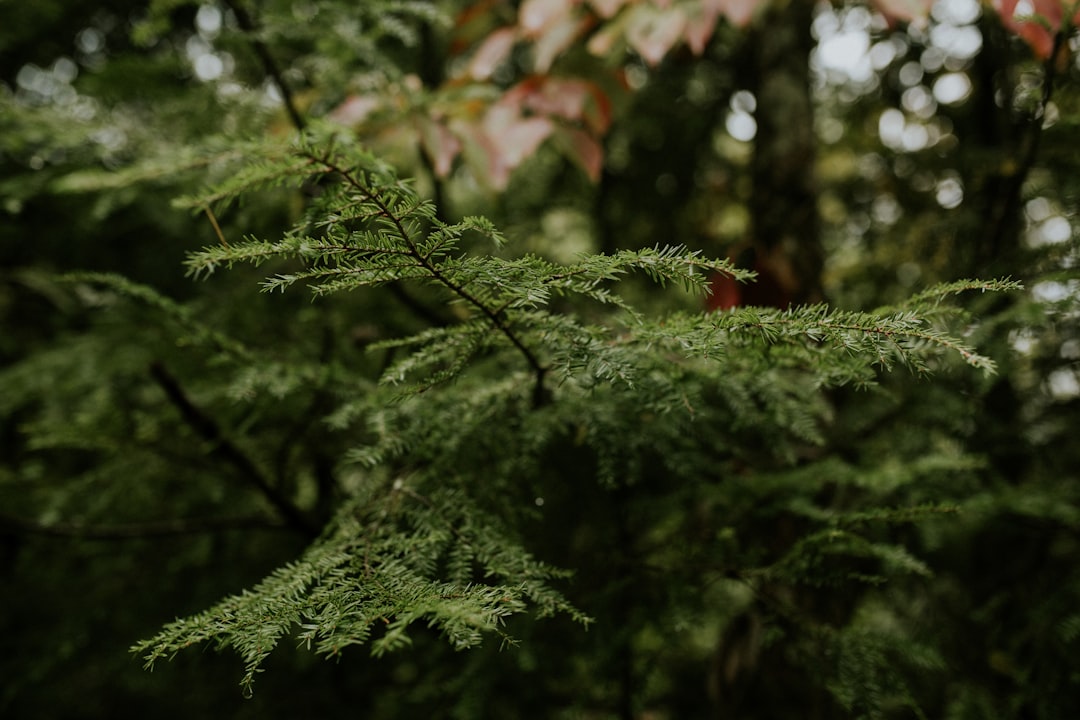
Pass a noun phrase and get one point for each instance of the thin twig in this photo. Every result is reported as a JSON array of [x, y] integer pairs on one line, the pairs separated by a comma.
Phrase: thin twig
[[247, 24], [214, 222], [418, 308], [223, 448]]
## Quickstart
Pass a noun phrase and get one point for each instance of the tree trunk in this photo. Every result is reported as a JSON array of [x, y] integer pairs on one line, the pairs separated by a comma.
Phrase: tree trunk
[[783, 206]]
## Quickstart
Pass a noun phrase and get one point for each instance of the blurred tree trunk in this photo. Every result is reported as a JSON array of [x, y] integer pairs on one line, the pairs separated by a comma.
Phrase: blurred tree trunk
[[999, 149], [783, 206], [786, 252]]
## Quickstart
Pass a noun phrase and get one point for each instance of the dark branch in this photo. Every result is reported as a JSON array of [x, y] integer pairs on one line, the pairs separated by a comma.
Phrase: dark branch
[[10, 524], [1011, 195], [493, 315], [299, 432], [228, 452], [247, 24], [422, 311]]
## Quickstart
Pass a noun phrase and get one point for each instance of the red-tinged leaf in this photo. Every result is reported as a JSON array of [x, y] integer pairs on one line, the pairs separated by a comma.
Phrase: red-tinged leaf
[[1051, 11], [1036, 29], [472, 24], [583, 149], [520, 140], [354, 110], [726, 293], [519, 93], [567, 98], [441, 145], [739, 12], [475, 148], [904, 10], [582, 101], [602, 42], [701, 23], [652, 32], [607, 8], [507, 139], [556, 39], [492, 53], [536, 16], [598, 113], [1039, 38], [477, 11], [562, 97]]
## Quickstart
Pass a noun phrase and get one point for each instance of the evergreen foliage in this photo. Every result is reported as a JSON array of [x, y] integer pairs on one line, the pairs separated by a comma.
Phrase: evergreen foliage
[[419, 538]]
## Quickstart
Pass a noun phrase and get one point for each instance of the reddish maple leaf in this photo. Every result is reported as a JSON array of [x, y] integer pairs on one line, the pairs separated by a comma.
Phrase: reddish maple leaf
[[1036, 21]]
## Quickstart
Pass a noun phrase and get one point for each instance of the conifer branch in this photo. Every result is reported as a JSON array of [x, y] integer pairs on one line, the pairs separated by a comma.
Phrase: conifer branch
[[168, 307], [247, 24], [425, 261], [206, 428]]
